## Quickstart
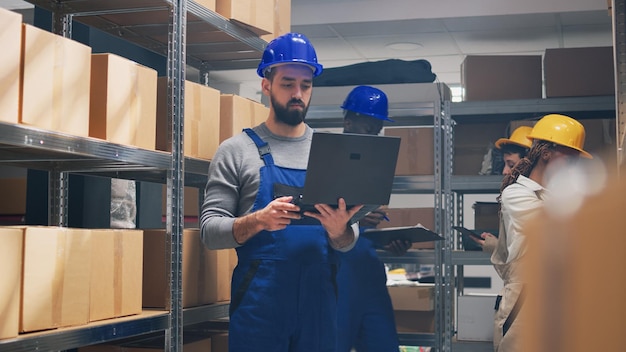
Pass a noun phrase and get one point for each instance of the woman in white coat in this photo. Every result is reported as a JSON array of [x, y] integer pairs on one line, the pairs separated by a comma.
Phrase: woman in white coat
[[555, 138]]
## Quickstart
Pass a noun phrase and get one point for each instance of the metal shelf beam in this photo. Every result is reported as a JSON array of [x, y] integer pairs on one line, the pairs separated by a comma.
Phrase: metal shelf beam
[[99, 332]]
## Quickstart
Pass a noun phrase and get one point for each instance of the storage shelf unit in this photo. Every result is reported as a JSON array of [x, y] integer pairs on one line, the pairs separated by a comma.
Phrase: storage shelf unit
[[212, 41], [498, 110], [188, 34], [149, 321]]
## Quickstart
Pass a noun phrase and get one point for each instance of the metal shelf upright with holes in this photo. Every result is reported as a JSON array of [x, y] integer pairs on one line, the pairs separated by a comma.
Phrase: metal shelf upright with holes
[[187, 34]]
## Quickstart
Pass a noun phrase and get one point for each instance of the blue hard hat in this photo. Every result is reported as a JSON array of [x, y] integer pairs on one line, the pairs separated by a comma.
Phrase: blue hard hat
[[289, 48], [369, 101]]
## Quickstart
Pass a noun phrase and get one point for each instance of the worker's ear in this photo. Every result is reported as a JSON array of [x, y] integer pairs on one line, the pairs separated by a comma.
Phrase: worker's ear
[[347, 124], [266, 85]]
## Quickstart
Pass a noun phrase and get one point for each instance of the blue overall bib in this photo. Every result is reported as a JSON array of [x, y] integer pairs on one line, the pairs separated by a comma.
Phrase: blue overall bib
[[365, 314], [283, 296]]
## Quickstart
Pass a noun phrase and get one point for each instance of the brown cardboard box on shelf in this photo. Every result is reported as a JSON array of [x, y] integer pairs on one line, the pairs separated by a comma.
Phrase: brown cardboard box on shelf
[[13, 192], [282, 19], [501, 77], [202, 120], [575, 72], [10, 42], [116, 268], [235, 115], [123, 101], [413, 307], [486, 215], [11, 250], [56, 278], [257, 14], [55, 82], [206, 273], [191, 201], [260, 113], [471, 143], [417, 150], [208, 4], [410, 217], [219, 342]]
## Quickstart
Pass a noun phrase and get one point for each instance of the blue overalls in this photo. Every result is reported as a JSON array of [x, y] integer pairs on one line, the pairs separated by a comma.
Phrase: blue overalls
[[365, 314], [283, 295]]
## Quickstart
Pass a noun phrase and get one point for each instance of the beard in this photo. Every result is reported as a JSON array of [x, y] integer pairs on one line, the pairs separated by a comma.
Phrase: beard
[[291, 117]]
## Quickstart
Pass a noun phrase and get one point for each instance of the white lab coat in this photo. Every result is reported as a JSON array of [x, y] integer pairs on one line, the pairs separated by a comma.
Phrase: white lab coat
[[520, 201]]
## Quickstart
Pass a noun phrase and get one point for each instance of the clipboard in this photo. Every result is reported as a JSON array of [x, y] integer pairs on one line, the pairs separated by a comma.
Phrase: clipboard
[[417, 233]]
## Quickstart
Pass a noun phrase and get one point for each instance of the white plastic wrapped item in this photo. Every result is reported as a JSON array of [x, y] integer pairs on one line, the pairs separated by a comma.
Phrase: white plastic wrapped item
[[123, 204]]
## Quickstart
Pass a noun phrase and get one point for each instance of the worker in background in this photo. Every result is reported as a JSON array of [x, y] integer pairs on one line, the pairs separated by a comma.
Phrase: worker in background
[[365, 314], [513, 149], [283, 294], [555, 138]]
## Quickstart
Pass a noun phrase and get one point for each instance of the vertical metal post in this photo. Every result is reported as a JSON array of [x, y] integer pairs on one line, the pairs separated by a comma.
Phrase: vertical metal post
[[58, 181], [175, 177], [61, 21], [448, 146], [439, 246], [57, 198], [619, 49]]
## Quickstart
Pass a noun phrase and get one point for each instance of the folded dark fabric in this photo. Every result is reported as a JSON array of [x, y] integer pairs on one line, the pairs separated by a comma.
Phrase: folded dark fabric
[[377, 72]]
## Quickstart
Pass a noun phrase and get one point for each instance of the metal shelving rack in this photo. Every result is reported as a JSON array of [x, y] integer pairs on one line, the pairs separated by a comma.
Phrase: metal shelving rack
[[188, 34]]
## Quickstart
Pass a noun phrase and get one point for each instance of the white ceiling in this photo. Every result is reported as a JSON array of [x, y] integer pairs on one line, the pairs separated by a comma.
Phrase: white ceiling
[[443, 32]]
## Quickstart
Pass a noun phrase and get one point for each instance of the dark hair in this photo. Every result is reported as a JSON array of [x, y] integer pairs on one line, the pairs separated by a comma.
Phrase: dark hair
[[514, 149], [527, 163]]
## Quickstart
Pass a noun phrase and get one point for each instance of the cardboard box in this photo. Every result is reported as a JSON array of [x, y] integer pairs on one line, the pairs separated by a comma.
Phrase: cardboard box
[[219, 342], [11, 250], [487, 216], [56, 278], [235, 114], [202, 120], [55, 82], [116, 273], [471, 142], [282, 19], [475, 317], [10, 42], [257, 14], [417, 150], [417, 298], [413, 307], [501, 77], [260, 113], [191, 201], [123, 101], [206, 273], [410, 217], [575, 72], [209, 4], [415, 321], [13, 192]]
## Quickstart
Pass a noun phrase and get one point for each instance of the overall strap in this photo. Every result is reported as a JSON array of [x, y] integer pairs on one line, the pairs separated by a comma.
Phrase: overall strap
[[262, 146]]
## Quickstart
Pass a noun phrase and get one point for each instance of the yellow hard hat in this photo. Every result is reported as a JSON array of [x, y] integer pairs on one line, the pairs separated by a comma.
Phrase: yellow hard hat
[[518, 137], [562, 130]]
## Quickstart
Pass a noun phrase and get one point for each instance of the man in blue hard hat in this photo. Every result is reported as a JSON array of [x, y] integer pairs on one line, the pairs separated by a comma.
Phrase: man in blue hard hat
[[283, 289], [365, 314]]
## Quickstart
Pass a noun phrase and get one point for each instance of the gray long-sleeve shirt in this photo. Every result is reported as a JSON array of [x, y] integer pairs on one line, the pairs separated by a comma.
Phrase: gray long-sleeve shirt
[[234, 178]]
